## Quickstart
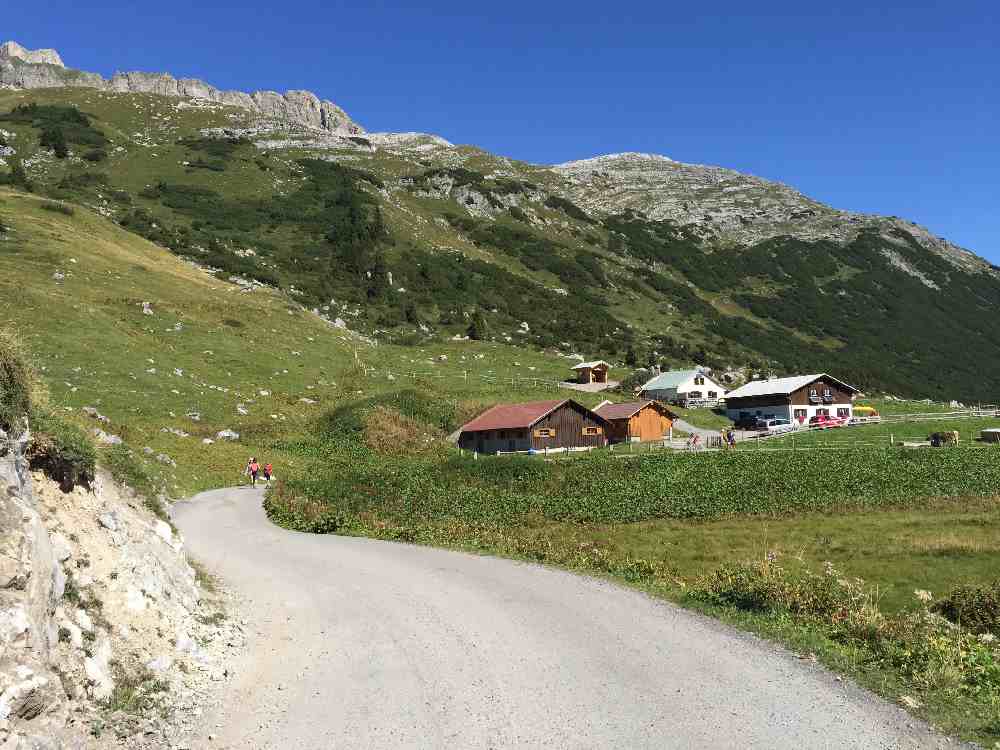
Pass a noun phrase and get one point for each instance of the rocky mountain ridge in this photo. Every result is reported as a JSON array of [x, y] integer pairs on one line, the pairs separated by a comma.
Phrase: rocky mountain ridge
[[725, 206], [37, 69]]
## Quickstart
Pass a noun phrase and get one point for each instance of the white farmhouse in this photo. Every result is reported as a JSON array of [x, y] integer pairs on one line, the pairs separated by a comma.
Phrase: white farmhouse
[[797, 399], [685, 387]]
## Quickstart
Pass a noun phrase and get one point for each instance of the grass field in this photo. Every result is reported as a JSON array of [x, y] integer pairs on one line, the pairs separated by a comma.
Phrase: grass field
[[75, 287]]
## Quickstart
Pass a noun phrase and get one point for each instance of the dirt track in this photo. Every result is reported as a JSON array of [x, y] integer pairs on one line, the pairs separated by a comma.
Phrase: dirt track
[[355, 643]]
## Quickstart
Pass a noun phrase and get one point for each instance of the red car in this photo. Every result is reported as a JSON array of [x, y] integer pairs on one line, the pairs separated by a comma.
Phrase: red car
[[825, 420]]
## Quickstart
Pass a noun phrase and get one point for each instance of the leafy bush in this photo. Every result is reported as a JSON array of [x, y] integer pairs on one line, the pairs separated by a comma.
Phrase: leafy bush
[[59, 126], [974, 607], [569, 208], [59, 208], [16, 382], [926, 650], [62, 450], [126, 469], [17, 177]]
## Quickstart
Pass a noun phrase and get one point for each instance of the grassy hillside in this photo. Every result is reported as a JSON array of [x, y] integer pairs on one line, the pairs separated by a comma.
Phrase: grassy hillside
[[416, 243], [75, 285]]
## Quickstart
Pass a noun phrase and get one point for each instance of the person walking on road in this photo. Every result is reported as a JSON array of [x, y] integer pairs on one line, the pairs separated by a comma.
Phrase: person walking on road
[[253, 469], [267, 473]]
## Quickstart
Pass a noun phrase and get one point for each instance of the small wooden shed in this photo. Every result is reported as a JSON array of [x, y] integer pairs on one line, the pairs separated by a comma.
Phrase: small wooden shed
[[636, 421], [592, 372], [537, 425]]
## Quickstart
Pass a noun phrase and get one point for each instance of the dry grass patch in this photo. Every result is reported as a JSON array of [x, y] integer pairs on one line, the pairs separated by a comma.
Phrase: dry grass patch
[[389, 432]]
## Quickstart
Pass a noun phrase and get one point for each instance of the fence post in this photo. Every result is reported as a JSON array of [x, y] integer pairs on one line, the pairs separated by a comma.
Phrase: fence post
[[891, 439]]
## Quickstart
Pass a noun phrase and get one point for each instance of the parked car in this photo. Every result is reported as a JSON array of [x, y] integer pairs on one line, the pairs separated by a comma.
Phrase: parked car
[[825, 420], [776, 426]]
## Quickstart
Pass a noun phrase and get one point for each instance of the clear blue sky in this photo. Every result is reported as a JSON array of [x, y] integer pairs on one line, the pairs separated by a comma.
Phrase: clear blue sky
[[885, 107]]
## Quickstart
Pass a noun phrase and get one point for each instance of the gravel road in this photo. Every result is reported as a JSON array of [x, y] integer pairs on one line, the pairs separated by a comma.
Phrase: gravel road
[[354, 643]]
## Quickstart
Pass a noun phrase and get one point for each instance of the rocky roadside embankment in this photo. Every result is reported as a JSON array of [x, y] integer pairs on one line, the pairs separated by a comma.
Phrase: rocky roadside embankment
[[107, 635]]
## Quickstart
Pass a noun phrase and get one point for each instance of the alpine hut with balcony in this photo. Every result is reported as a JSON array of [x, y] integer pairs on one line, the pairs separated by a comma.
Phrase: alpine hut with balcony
[[636, 421], [797, 399], [537, 425], [591, 372]]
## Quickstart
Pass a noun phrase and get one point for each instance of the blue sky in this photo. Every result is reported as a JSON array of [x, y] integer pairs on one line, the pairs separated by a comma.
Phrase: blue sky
[[887, 107]]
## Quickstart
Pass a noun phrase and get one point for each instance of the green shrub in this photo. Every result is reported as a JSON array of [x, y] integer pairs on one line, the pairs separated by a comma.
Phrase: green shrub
[[59, 208], [974, 607], [518, 214], [125, 468], [61, 449], [16, 383], [569, 208]]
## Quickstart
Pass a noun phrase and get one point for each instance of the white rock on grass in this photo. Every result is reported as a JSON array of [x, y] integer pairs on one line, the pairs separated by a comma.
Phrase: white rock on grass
[[106, 438], [227, 435]]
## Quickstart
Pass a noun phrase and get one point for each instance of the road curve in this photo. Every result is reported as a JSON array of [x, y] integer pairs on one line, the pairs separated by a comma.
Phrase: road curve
[[355, 643]]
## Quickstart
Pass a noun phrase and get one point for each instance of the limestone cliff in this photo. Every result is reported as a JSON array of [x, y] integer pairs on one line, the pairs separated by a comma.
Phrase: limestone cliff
[[36, 69], [104, 635]]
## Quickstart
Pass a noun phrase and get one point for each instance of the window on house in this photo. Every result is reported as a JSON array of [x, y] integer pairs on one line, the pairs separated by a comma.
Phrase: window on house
[[545, 432], [843, 412], [713, 394], [813, 392], [591, 430], [699, 380]]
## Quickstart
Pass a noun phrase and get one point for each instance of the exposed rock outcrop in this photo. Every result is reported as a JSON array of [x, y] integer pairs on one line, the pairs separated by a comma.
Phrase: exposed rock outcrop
[[35, 56], [104, 631], [26, 69]]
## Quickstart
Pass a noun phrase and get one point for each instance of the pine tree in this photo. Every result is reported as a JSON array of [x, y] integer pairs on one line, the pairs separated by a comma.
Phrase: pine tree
[[478, 328]]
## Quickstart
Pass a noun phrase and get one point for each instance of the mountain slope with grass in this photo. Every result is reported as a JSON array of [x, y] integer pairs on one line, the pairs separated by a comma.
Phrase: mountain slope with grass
[[409, 238]]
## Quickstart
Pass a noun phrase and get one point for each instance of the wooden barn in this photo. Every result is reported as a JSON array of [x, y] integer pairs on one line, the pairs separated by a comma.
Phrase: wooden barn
[[636, 421], [534, 426], [592, 372]]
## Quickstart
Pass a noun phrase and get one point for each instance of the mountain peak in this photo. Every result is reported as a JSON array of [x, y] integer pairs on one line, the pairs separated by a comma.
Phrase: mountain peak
[[12, 49], [22, 68]]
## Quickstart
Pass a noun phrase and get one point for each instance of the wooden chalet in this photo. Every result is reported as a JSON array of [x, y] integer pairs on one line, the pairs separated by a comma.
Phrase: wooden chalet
[[592, 372], [636, 421], [534, 426]]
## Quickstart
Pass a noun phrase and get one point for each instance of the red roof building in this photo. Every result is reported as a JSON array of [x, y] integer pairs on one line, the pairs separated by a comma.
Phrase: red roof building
[[536, 425]]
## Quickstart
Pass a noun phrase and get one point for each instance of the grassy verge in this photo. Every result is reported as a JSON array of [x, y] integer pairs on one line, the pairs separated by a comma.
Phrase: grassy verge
[[943, 673]]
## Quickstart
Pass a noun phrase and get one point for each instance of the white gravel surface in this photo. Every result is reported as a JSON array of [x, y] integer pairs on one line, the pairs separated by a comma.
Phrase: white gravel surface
[[355, 643]]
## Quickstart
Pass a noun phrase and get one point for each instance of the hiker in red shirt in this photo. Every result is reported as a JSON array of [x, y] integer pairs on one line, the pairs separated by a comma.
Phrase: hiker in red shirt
[[253, 469], [267, 474]]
